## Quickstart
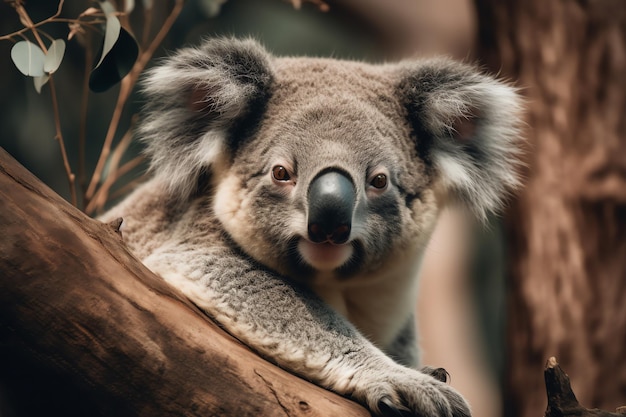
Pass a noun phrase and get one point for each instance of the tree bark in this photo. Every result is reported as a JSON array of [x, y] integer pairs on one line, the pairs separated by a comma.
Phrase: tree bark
[[567, 281], [86, 329]]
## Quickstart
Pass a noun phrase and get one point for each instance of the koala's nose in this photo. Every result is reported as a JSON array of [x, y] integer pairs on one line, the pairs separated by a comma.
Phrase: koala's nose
[[331, 202]]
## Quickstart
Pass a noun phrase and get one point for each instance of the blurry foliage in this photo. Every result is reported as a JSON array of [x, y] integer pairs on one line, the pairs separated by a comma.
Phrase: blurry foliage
[[117, 60], [99, 126]]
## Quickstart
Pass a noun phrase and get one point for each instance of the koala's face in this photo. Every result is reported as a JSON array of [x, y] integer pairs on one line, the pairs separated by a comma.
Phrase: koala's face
[[323, 168], [330, 182]]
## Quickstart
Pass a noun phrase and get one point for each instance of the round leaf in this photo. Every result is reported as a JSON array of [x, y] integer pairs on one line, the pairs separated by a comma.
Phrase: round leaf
[[54, 56], [28, 58]]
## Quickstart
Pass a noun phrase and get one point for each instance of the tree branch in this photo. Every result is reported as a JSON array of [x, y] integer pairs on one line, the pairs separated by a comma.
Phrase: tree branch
[[561, 399], [103, 336]]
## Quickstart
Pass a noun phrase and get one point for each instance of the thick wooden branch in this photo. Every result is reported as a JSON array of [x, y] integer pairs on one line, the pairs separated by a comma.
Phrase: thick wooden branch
[[86, 329], [561, 399]]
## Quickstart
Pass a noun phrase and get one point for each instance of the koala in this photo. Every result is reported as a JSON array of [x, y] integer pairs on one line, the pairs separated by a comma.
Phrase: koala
[[292, 199]]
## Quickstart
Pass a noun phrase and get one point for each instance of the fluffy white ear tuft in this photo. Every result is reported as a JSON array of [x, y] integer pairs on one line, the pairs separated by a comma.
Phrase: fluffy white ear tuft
[[467, 125], [193, 100]]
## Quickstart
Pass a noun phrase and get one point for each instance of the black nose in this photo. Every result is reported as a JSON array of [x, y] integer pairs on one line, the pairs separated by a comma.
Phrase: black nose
[[331, 202]]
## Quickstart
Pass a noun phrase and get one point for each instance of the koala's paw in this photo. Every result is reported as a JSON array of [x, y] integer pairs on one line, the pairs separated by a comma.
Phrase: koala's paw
[[405, 392]]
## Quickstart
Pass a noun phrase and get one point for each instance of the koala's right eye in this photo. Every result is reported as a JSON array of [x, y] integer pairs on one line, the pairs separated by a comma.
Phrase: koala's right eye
[[379, 181], [280, 173]]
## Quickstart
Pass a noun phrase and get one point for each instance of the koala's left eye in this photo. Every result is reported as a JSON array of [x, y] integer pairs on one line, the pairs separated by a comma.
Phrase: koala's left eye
[[379, 181], [280, 173]]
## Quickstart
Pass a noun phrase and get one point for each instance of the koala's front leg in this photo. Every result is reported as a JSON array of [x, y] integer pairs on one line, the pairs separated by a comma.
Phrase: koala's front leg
[[300, 332]]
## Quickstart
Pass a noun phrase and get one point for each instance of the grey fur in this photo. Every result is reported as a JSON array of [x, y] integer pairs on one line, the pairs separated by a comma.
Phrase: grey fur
[[214, 223]]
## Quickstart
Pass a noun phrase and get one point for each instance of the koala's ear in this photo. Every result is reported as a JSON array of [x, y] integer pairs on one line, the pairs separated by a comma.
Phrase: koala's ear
[[467, 126], [193, 100]]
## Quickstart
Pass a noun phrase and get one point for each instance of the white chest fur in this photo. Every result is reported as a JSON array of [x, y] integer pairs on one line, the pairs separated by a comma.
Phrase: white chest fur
[[378, 303]]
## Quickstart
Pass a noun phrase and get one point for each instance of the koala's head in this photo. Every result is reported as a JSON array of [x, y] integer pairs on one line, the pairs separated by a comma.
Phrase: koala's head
[[327, 167]]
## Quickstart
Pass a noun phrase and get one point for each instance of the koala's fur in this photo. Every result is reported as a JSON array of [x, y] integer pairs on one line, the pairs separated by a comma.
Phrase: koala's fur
[[214, 222]]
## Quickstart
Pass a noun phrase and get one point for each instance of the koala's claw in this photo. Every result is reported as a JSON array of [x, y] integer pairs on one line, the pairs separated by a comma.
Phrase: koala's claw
[[388, 408], [440, 374]]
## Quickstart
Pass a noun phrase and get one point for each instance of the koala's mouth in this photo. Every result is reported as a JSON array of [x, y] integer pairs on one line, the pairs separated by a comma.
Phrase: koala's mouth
[[324, 256]]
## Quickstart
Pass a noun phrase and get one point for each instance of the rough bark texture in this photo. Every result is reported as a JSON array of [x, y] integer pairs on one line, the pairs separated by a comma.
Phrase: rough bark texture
[[568, 228], [87, 330]]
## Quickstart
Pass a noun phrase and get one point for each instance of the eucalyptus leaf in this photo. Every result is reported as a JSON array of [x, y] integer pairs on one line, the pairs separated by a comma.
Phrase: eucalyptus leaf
[[129, 6], [116, 64], [108, 8], [28, 58], [112, 30], [54, 56], [40, 82]]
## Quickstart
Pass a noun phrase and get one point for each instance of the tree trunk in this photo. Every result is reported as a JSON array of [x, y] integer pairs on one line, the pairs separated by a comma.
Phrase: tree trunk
[[567, 286], [87, 330]]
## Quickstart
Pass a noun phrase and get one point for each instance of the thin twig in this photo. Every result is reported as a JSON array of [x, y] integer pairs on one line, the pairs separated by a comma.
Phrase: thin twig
[[59, 138], [124, 143], [147, 23], [50, 38], [82, 134], [87, 25], [125, 189], [129, 166], [178, 6], [55, 106], [20, 9], [102, 195], [126, 87], [29, 24], [114, 161]]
